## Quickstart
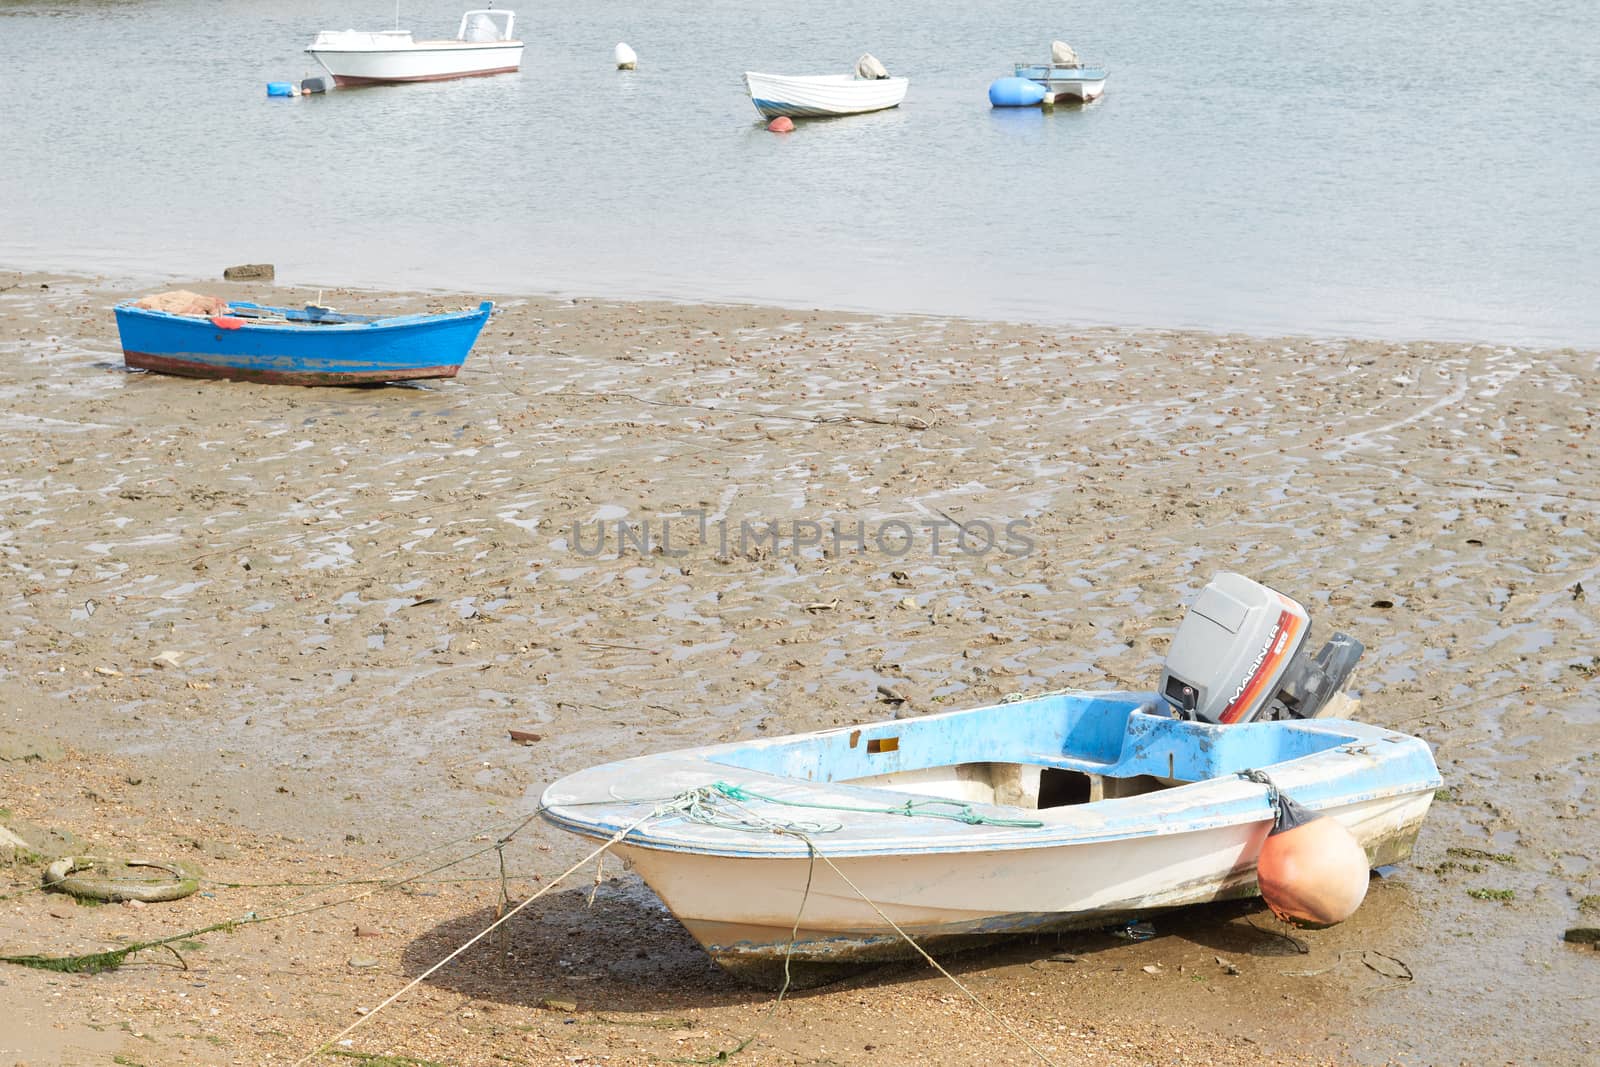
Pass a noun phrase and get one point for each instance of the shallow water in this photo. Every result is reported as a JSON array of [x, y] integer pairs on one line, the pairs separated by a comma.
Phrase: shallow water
[[1414, 171]]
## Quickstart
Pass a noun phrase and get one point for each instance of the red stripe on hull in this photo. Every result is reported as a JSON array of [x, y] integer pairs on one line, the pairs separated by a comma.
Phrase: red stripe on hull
[[189, 369], [347, 82]]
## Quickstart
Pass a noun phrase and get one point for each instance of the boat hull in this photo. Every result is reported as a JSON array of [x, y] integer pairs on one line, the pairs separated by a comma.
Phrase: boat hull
[[401, 348], [965, 901], [822, 96], [1066, 83], [424, 62]]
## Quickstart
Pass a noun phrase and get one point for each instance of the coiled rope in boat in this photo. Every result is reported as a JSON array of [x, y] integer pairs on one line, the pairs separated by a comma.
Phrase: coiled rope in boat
[[914, 808]]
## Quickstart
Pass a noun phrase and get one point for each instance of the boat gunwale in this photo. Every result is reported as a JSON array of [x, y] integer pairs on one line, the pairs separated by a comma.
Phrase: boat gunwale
[[339, 324], [999, 839], [1249, 806], [1084, 73], [443, 45], [823, 95], [829, 79]]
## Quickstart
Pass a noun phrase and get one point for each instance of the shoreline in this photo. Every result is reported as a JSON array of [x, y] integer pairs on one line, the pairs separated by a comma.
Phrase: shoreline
[[365, 589], [132, 278]]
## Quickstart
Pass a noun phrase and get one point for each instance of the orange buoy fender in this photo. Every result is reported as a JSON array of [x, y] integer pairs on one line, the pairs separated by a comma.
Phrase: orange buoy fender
[[1312, 871], [781, 124]]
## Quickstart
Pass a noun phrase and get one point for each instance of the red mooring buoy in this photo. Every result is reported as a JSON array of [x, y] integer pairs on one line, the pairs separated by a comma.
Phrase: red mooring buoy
[[781, 124], [1312, 871]]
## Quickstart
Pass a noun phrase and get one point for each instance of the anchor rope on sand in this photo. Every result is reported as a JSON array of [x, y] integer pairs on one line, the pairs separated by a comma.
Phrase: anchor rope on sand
[[970, 995], [697, 803], [110, 960], [677, 803], [95, 962], [753, 820]]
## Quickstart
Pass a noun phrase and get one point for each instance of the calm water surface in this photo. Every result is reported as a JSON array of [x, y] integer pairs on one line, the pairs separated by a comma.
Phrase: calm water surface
[[1423, 169]]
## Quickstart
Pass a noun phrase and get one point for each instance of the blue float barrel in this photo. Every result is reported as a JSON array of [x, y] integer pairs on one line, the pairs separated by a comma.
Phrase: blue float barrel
[[280, 89], [1015, 92]]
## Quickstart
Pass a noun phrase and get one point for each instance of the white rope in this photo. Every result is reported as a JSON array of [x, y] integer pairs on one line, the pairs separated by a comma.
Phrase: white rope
[[677, 804], [425, 975], [1013, 1031], [754, 818]]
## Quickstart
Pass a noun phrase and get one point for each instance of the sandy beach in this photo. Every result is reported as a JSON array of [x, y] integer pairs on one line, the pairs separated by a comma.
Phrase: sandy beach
[[285, 633]]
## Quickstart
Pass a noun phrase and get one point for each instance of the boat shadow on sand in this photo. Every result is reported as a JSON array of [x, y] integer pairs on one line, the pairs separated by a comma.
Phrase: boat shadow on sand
[[625, 951]]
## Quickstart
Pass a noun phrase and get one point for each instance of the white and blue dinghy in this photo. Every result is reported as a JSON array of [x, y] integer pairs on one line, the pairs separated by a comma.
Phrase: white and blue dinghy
[[1064, 78], [1066, 810]]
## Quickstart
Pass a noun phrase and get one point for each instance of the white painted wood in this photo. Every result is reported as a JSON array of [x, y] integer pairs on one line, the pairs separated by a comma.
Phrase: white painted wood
[[822, 95]]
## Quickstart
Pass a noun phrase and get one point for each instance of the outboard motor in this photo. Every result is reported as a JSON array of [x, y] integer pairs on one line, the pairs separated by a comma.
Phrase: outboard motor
[[1240, 655]]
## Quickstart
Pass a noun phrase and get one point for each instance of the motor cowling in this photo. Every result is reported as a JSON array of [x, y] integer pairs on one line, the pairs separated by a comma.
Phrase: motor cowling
[[1240, 655]]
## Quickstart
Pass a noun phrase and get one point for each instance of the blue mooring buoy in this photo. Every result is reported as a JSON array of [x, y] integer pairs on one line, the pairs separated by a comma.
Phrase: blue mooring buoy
[[1016, 92], [280, 89]]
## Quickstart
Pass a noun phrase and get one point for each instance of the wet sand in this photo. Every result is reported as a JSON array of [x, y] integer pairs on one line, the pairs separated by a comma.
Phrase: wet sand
[[364, 590]]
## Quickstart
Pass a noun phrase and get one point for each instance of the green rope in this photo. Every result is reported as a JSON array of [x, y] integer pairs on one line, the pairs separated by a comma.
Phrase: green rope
[[925, 808], [95, 962]]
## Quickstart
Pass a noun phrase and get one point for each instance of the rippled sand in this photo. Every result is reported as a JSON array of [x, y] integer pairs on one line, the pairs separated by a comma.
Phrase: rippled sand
[[364, 589]]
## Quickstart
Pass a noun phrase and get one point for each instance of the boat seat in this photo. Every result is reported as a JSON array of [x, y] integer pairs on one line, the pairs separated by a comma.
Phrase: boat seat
[[1062, 762]]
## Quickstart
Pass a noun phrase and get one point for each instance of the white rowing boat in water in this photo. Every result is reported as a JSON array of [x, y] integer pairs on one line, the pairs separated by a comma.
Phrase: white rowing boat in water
[[483, 45], [870, 88]]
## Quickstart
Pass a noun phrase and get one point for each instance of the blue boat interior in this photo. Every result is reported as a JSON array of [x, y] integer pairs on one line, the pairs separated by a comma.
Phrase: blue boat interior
[[1045, 72], [1041, 753], [267, 315], [310, 315]]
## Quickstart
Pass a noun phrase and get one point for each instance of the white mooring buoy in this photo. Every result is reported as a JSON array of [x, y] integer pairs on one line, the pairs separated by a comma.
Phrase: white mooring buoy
[[625, 57]]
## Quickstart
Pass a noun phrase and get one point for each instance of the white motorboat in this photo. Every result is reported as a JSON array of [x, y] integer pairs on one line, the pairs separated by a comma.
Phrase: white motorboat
[[1065, 77], [483, 45], [1066, 83], [805, 853]]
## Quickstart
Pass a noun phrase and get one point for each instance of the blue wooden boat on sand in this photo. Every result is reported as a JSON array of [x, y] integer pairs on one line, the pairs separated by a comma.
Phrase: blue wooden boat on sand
[[249, 342], [788, 858]]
